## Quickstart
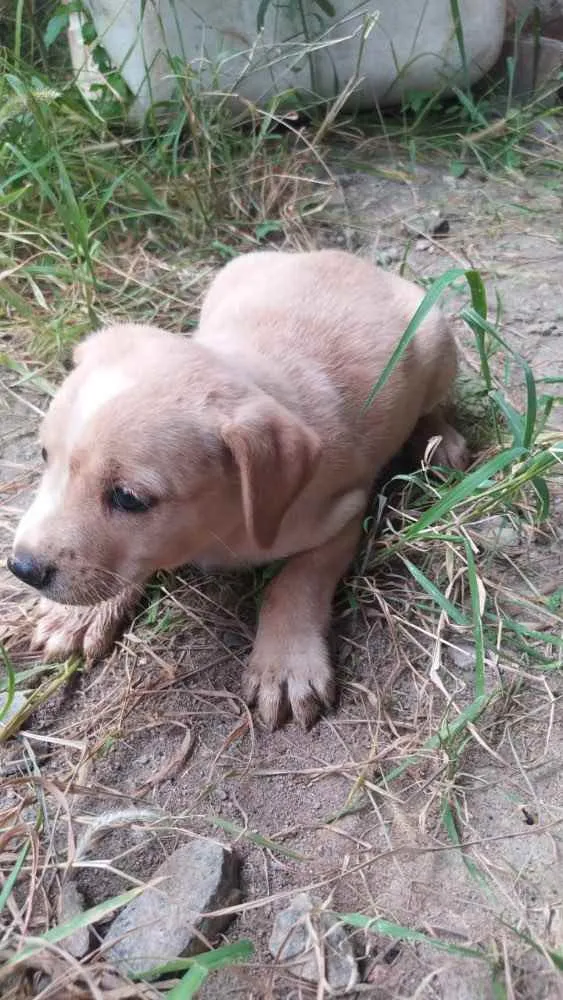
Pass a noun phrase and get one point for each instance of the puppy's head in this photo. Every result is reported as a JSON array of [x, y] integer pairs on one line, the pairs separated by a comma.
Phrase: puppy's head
[[155, 454]]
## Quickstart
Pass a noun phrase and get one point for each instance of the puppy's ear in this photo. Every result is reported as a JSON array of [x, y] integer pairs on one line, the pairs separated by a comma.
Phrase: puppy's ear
[[276, 455]]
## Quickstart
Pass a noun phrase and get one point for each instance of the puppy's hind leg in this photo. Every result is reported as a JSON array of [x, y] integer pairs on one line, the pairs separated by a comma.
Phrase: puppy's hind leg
[[289, 669], [62, 629], [452, 451]]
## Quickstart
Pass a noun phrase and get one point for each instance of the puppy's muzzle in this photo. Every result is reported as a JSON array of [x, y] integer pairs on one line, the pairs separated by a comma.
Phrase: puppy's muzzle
[[31, 569]]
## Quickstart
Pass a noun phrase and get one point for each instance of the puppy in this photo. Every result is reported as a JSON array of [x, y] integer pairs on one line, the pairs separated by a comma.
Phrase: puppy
[[249, 442]]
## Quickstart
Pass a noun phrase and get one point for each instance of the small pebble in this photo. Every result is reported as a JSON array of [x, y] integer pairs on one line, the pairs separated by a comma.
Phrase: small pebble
[[441, 229], [498, 533], [390, 255], [234, 640], [71, 904], [463, 655], [297, 933]]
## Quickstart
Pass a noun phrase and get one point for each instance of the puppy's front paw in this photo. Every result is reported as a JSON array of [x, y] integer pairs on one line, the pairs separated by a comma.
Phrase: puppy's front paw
[[62, 629], [293, 678]]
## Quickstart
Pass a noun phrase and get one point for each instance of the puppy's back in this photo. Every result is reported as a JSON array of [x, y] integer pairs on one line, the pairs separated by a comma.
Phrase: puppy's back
[[328, 310]]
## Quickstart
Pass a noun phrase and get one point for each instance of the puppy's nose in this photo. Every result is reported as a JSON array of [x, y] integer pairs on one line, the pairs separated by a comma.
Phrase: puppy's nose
[[32, 570]]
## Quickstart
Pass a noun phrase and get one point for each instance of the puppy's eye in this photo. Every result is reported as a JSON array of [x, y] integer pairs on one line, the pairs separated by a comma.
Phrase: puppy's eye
[[44, 454], [127, 501]]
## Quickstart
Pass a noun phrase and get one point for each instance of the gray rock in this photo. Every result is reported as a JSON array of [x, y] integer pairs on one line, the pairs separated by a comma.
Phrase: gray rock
[[18, 702], [165, 921], [498, 533], [412, 47], [71, 904], [537, 65], [544, 130], [548, 9], [234, 640], [463, 654], [390, 255], [300, 932]]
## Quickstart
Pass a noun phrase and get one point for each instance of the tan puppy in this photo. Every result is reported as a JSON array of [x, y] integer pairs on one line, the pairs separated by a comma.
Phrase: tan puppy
[[246, 443]]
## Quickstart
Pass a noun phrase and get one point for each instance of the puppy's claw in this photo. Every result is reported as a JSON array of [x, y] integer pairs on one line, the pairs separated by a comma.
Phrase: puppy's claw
[[250, 685], [297, 681], [309, 706], [273, 708], [270, 699]]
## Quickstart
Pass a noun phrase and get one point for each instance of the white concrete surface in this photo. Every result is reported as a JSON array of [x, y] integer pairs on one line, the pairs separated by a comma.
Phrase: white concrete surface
[[411, 46]]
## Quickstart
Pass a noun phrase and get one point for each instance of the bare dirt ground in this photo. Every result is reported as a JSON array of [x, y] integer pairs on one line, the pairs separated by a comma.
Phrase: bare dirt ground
[[161, 723]]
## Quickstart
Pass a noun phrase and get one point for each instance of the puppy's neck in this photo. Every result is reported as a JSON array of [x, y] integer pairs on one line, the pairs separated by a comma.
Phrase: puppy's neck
[[239, 369]]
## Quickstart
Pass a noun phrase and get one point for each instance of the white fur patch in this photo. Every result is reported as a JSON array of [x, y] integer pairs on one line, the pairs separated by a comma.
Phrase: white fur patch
[[345, 508], [48, 499], [101, 387]]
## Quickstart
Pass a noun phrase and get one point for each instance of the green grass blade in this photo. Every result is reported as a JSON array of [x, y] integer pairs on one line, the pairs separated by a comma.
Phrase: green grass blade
[[450, 825], [555, 954], [513, 419], [458, 27], [428, 302], [23, 677], [468, 487], [261, 14], [480, 326], [17, 302], [37, 696], [447, 731], [239, 951], [189, 984], [11, 880], [518, 629], [478, 636], [55, 26], [453, 613], [62, 931], [399, 932], [543, 499], [206, 962], [18, 31], [478, 293], [16, 195], [256, 838], [10, 681], [27, 375], [531, 404]]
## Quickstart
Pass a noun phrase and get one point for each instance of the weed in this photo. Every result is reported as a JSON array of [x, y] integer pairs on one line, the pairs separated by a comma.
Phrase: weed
[[77, 190]]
